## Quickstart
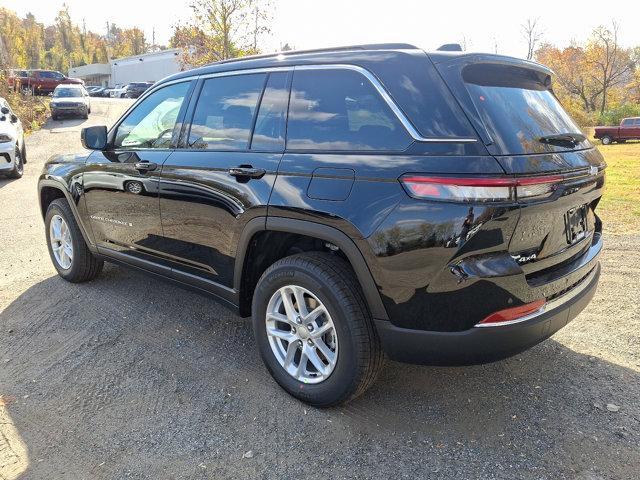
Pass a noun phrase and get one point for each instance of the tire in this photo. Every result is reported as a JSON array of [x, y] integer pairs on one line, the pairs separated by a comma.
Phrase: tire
[[358, 354], [606, 140], [18, 165], [84, 266]]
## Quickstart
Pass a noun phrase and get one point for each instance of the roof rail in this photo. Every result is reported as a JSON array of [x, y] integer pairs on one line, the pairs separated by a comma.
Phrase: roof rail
[[370, 46]]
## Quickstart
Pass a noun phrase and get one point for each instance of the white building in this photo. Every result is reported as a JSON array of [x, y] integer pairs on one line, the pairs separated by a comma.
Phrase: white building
[[94, 74], [149, 67]]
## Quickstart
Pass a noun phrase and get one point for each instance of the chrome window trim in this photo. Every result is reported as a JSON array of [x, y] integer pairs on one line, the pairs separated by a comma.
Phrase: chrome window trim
[[402, 118]]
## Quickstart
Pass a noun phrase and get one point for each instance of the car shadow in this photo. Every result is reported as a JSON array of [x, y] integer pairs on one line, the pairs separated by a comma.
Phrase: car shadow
[[65, 122], [178, 361], [5, 180]]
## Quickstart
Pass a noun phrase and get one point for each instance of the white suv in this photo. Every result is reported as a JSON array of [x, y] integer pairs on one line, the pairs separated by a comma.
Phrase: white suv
[[13, 154], [70, 99]]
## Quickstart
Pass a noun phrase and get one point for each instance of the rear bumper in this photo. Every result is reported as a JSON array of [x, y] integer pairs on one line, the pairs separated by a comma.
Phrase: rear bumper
[[482, 345]]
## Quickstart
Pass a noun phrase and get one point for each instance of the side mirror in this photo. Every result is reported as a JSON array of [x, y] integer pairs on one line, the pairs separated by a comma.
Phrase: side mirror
[[4, 110], [13, 118], [94, 138]]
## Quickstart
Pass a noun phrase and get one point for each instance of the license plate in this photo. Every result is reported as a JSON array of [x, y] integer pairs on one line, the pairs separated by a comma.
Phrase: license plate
[[575, 221]]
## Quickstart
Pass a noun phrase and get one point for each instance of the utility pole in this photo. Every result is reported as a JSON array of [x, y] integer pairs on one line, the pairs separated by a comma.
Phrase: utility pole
[[108, 43]]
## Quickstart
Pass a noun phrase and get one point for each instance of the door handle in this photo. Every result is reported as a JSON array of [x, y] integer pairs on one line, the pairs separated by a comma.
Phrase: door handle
[[247, 172], [145, 166]]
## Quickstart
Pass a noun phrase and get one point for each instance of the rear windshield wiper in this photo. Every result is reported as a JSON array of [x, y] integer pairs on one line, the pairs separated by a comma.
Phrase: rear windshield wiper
[[563, 139]]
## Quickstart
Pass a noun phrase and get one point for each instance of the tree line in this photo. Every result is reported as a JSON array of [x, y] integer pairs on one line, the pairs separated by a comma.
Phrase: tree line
[[27, 43], [597, 80]]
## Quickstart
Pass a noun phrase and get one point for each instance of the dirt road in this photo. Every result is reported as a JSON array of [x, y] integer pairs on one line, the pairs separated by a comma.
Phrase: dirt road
[[131, 377]]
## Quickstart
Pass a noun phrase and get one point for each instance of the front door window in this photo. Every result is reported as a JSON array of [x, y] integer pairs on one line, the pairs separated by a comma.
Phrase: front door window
[[151, 123]]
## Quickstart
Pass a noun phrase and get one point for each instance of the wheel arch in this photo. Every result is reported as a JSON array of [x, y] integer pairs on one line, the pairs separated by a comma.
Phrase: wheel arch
[[50, 190], [317, 231]]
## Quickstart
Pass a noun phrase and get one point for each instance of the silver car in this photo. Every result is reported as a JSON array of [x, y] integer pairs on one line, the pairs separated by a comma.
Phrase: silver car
[[70, 100], [13, 154]]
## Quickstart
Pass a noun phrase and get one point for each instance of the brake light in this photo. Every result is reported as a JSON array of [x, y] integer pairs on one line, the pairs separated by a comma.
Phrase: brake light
[[513, 314], [479, 189]]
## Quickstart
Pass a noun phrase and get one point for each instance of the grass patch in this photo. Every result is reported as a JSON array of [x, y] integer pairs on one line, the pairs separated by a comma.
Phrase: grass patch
[[620, 204]]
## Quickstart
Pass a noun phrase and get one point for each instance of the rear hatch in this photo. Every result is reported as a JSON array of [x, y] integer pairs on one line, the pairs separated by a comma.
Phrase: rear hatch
[[512, 106]]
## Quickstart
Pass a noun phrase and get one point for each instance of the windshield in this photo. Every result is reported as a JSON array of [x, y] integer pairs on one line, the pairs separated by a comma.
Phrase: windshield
[[67, 92], [519, 109]]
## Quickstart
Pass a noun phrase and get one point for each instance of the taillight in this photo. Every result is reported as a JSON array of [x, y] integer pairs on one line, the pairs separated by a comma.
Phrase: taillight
[[479, 189], [513, 314]]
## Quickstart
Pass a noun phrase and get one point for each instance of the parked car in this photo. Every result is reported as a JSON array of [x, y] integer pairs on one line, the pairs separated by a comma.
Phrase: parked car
[[107, 91], [352, 201], [119, 91], [44, 82], [629, 129], [70, 100], [13, 152], [134, 90], [18, 79], [97, 91]]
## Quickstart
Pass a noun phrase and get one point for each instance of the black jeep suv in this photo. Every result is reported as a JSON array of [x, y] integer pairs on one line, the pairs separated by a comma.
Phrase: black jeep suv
[[437, 207]]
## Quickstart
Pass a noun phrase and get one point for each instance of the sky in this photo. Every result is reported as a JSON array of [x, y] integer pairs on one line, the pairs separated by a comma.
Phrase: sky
[[483, 25]]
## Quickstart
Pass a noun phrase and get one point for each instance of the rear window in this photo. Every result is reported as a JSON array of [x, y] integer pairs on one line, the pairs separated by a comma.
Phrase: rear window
[[341, 110], [518, 108]]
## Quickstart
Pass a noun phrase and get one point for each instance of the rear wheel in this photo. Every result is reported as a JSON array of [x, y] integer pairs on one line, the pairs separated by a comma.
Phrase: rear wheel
[[606, 140], [18, 165], [69, 252], [313, 329]]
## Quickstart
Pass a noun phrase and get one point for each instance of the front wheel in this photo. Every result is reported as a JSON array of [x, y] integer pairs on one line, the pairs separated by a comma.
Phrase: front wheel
[[18, 164], [313, 329], [68, 251], [607, 140]]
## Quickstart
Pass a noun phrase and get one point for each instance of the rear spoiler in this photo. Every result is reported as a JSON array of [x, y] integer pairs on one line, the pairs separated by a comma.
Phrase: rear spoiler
[[443, 56]]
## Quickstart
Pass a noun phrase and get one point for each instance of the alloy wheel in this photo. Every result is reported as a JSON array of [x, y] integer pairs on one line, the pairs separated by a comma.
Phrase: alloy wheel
[[61, 244], [301, 334]]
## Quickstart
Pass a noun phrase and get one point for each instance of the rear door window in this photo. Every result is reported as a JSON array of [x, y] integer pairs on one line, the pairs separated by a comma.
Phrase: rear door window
[[269, 131], [628, 122], [518, 108], [340, 110], [224, 113]]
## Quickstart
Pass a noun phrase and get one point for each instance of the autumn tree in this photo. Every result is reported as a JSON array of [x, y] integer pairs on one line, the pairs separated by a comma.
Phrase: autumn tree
[[611, 64], [126, 42], [221, 29], [594, 77], [532, 34]]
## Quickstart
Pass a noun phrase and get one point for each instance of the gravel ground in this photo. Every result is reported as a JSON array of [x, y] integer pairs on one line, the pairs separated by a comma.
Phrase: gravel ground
[[131, 377]]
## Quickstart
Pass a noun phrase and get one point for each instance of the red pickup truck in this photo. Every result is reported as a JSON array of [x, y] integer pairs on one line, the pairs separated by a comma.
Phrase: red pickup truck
[[629, 129], [41, 82]]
